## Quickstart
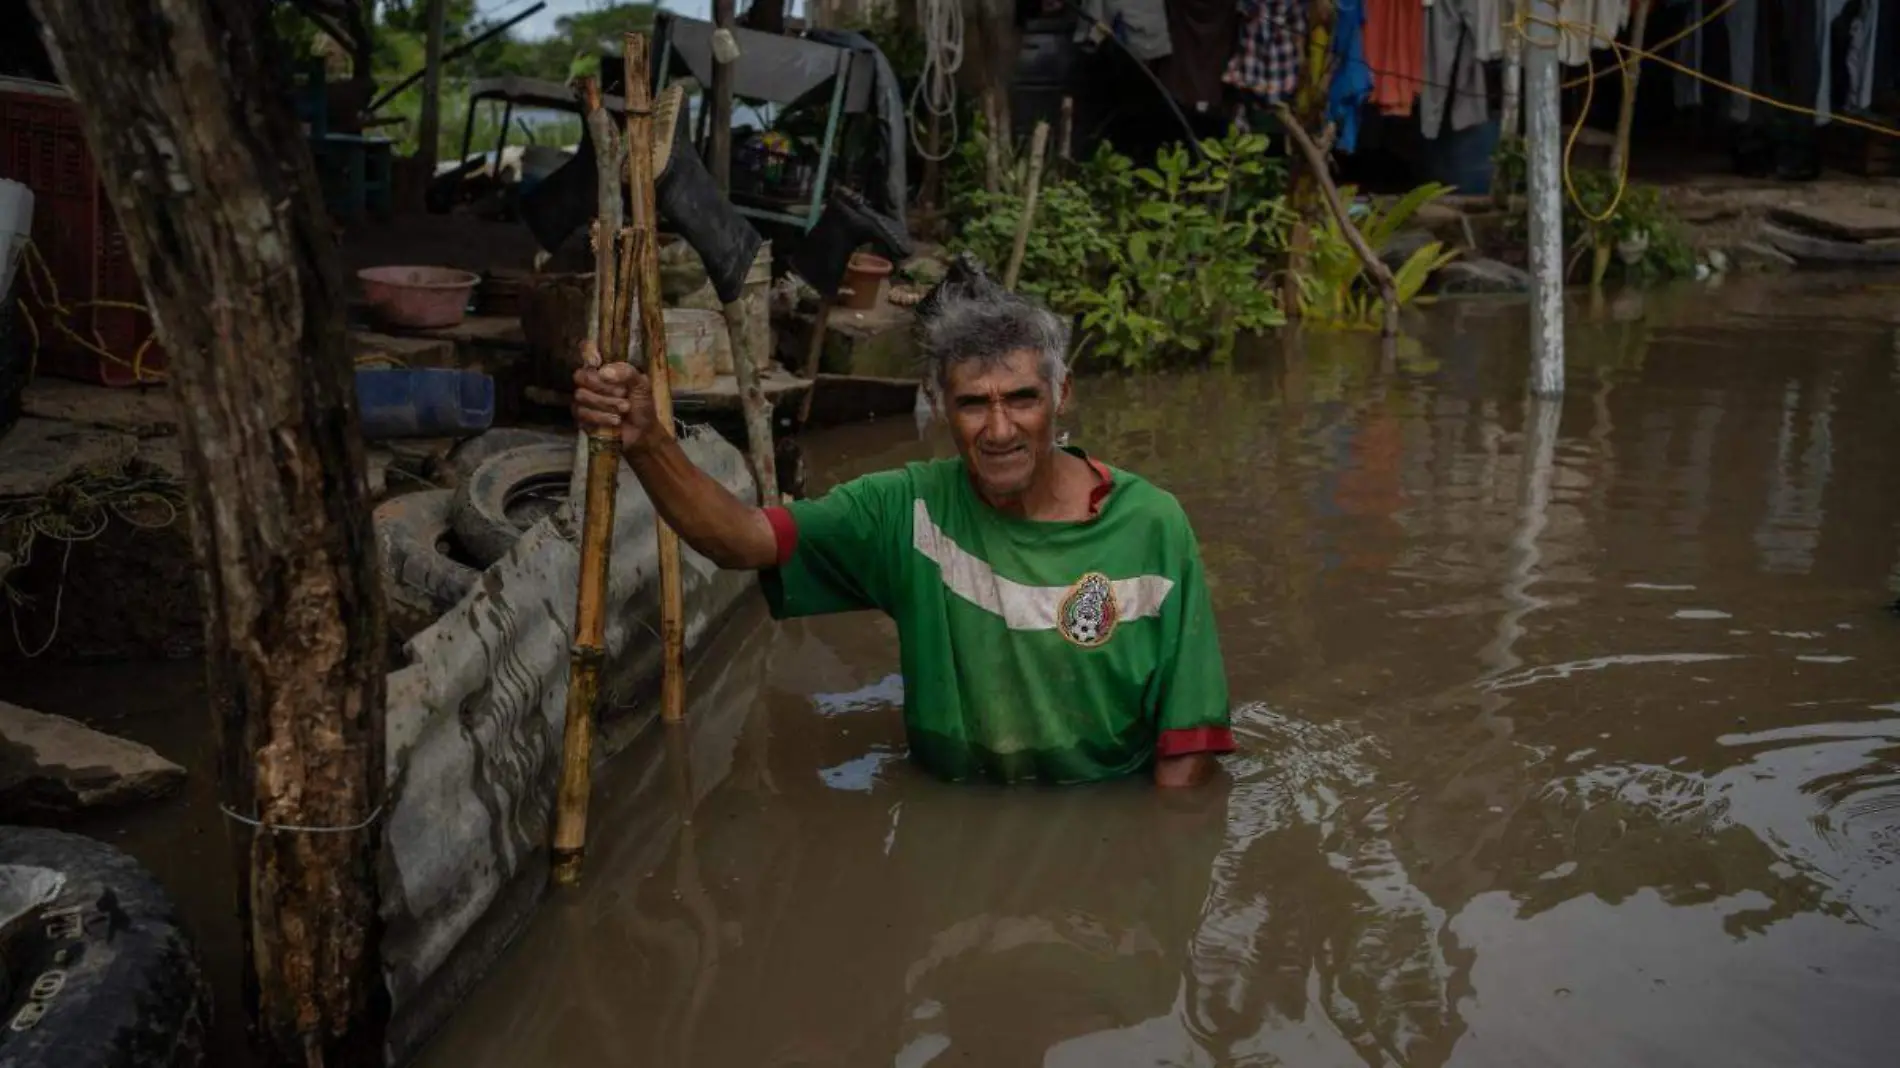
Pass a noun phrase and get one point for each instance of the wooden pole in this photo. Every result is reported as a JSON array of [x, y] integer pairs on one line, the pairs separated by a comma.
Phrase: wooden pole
[[1511, 117], [994, 135], [1542, 144], [722, 12], [429, 124], [932, 185], [210, 177], [814, 354], [1065, 137], [607, 334], [1038, 143], [1369, 259], [1303, 182], [652, 335], [1632, 70], [746, 364]]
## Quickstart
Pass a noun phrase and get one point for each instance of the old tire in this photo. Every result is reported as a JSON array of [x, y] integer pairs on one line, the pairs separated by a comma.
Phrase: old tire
[[469, 454], [411, 531], [97, 972], [506, 494]]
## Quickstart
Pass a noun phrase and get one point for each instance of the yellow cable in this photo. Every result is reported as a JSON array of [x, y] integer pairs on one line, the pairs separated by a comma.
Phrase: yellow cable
[[44, 289], [1627, 57], [1662, 44]]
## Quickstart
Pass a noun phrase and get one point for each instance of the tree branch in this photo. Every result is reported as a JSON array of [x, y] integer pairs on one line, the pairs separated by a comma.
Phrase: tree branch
[[1316, 162]]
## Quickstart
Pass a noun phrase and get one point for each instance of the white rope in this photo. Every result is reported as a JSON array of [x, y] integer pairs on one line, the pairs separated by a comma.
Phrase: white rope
[[942, 24]]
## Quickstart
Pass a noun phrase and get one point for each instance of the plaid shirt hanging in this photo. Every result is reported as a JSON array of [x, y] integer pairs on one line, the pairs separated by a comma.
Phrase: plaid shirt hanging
[[1266, 60]]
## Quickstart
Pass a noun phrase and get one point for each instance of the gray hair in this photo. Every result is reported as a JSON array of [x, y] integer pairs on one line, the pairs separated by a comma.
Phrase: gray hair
[[985, 327]]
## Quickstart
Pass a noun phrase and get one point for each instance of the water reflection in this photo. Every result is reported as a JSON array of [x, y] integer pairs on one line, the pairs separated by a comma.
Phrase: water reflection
[[1569, 737]]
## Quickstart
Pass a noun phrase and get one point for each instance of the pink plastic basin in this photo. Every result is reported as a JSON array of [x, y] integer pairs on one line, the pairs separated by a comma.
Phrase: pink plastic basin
[[418, 298]]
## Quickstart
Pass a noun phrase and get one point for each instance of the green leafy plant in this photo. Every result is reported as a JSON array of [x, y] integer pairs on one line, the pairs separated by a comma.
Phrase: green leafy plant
[[1184, 272], [1640, 236], [1174, 260], [1336, 293], [1069, 241]]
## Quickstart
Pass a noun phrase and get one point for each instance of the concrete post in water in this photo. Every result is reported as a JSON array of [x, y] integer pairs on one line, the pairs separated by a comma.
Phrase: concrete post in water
[[189, 121], [1542, 148]]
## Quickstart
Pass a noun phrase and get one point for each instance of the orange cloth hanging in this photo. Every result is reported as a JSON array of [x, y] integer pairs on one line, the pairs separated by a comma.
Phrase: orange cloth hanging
[[1395, 50]]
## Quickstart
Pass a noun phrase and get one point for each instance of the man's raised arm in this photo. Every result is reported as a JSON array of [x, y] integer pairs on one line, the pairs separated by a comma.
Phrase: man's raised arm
[[721, 527]]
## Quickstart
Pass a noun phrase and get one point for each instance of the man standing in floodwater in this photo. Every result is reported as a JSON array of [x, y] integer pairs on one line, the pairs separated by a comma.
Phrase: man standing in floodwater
[[1053, 613]]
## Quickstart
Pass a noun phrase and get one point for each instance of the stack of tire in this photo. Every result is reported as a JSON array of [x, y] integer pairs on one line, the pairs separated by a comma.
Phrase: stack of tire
[[94, 970], [479, 511]]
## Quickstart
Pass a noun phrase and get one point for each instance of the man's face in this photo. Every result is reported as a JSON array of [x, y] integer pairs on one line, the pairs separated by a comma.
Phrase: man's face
[[1003, 417]]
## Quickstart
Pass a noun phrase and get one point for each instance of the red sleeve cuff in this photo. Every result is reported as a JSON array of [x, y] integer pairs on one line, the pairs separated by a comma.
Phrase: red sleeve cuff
[[785, 531], [1195, 740]]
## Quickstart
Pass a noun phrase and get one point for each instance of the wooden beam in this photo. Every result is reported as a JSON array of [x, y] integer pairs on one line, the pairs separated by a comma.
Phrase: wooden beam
[[209, 174], [721, 163], [429, 124]]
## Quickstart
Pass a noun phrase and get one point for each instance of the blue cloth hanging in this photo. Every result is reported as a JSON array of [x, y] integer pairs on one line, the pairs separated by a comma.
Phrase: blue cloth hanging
[[1352, 76]]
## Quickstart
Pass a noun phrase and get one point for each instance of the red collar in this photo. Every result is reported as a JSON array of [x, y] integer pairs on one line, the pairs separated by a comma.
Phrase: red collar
[[1102, 488]]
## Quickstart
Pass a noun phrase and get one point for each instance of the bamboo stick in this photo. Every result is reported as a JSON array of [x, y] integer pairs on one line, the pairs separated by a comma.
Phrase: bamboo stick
[[652, 334], [1038, 143], [1316, 163], [589, 647]]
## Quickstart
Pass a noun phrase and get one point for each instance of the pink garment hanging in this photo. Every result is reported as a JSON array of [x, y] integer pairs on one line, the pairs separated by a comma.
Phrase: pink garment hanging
[[1395, 50]]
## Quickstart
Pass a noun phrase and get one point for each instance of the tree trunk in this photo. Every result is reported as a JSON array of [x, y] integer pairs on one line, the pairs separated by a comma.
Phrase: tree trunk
[[190, 126]]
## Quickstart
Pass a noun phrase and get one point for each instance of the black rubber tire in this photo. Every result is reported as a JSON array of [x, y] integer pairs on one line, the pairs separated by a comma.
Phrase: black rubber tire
[[98, 973], [410, 531], [480, 516], [469, 454]]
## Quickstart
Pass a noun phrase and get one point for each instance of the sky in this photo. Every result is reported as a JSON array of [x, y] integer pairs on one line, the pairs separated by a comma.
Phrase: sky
[[542, 24]]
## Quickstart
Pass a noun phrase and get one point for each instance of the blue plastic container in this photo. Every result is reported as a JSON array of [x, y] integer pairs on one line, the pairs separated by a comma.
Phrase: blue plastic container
[[423, 402]]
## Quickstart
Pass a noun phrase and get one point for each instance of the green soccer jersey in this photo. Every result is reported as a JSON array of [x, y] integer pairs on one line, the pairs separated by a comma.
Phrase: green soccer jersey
[[1060, 652]]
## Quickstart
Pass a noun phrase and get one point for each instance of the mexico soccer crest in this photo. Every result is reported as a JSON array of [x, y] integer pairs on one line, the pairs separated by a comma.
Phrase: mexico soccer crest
[[1089, 613]]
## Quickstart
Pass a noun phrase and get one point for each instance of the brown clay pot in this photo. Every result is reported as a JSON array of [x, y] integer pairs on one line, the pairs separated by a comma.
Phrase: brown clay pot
[[864, 278]]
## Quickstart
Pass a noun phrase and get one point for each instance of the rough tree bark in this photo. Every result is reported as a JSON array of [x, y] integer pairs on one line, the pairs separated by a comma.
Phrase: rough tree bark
[[193, 135]]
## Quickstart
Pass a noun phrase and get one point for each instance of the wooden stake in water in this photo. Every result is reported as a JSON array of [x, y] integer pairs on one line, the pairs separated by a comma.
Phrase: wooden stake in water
[[652, 337], [597, 518], [1038, 143], [1542, 148]]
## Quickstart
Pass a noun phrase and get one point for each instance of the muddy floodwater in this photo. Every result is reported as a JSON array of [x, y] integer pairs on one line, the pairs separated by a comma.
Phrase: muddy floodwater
[[1568, 737]]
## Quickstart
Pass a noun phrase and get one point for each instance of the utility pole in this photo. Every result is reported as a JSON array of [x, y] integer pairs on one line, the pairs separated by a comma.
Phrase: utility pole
[[1542, 134], [429, 125], [189, 123]]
